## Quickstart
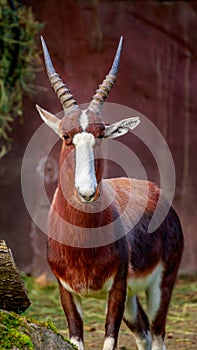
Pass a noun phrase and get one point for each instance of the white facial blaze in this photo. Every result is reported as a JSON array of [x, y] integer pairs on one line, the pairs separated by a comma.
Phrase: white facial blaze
[[85, 179], [84, 120]]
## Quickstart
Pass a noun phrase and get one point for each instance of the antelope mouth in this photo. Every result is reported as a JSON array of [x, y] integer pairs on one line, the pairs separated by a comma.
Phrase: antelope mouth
[[87, 198]]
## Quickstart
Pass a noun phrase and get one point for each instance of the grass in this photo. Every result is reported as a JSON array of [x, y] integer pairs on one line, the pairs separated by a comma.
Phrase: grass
[[181, 329]]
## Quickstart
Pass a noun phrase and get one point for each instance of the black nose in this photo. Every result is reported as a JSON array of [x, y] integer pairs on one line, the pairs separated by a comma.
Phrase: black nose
[[87, 198]]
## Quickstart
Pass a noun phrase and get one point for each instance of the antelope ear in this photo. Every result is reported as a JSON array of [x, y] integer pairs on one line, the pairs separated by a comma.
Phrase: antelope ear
[[52, 121], [121, 128]]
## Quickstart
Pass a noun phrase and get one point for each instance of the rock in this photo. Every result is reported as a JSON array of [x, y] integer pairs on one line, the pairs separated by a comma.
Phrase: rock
[[13, 295], [16, 332]]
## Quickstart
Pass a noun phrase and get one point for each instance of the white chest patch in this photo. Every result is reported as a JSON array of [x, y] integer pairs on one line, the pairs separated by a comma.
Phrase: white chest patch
[[84, 120], [89, 293]]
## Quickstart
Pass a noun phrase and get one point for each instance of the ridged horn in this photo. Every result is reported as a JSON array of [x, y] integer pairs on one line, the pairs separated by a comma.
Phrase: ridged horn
[[107, 84], [63, 93]]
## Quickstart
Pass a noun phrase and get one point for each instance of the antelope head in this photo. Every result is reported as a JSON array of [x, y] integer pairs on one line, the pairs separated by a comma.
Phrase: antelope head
[[83, 130]]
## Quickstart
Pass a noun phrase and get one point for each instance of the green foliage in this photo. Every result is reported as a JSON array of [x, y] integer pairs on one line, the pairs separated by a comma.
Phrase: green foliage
[[18, 59]]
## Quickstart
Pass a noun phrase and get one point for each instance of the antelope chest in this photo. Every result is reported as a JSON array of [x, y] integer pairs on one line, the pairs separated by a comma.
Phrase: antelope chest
[[85, 274], [88, 292], [92, 281], [97, 288]]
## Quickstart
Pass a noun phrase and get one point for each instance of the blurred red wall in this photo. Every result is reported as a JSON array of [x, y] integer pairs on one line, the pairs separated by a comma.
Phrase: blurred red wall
[[157, 77]]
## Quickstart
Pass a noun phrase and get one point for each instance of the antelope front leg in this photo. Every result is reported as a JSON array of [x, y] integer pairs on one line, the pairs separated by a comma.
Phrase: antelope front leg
[[115, 311], [72, 309]]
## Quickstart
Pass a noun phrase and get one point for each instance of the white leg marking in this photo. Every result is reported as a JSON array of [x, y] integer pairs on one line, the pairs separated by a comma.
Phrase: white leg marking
[[109, 343], [144, 342], [130, 312], [77, 342], [77, 301], [154, 295], [158, 343]]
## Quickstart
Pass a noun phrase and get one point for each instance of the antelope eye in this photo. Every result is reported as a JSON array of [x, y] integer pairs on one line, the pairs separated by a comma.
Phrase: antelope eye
[[66, 137]]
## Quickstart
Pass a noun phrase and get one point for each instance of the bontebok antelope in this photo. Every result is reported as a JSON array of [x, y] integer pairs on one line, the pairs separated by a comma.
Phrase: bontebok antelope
[[98, 239]]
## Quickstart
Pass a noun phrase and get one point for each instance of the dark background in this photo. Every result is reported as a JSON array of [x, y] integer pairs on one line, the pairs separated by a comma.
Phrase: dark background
[[157, 77]]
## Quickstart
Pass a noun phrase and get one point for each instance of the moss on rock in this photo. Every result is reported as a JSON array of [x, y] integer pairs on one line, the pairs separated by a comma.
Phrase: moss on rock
[[16, 332]]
